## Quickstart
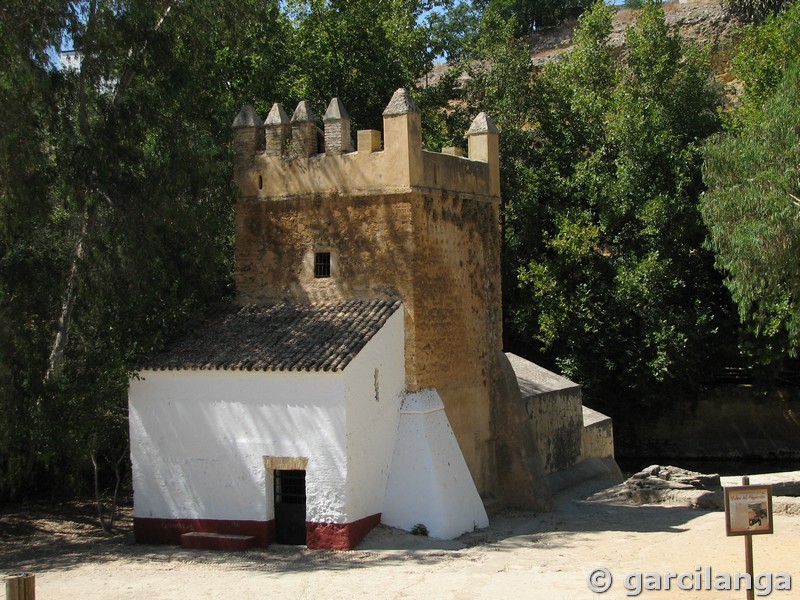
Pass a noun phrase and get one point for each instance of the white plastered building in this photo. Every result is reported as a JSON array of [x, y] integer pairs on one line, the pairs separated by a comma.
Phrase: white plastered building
[[288, 424]]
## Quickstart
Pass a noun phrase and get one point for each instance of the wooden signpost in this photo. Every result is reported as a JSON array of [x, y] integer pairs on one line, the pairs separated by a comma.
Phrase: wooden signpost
[[21, 586], [748, 512]]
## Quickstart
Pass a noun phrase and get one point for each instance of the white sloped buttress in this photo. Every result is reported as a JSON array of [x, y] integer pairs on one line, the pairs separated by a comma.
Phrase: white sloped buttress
[[429, 482]]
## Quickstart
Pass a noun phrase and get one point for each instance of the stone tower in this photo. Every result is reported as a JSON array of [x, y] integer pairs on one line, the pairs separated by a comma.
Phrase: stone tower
[[391, 220]]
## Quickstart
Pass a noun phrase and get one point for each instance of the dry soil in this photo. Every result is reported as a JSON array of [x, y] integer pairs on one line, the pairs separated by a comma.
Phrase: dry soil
[[522, 555]]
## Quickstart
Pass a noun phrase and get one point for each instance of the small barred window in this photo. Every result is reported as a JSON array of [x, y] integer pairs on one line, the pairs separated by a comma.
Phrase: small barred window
[[322, 265]]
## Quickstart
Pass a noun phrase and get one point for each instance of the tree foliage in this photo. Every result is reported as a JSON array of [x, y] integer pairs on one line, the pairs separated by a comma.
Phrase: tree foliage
[[115, 211], [116, 194], [752, 206], [454, 30], [763, 55], [530, 15], [357, 50], [755, 11], [606, 271]]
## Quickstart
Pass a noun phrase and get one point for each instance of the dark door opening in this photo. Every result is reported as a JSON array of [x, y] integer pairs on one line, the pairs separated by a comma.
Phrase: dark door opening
[[290, 507]]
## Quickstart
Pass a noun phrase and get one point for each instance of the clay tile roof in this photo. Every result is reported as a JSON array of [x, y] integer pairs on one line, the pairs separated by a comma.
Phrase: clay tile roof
[[283, 337]]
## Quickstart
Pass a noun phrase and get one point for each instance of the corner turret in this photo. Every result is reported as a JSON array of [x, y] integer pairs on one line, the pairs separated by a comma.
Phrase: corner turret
[[402, 132], [484, 146]]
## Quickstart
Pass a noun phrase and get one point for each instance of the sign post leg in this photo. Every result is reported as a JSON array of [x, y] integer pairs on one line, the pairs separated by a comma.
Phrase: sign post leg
[[21, 586], [748, 564], [748, 554]]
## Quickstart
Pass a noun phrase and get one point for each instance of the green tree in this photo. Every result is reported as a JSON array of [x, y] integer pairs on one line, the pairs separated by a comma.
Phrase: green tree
[[32, 245], [359, 51], [750, 205], [116, 194], [530, 15], [763, 54], [116, 209], [755, 11], [752, 209], [601, 177], [454, 30]]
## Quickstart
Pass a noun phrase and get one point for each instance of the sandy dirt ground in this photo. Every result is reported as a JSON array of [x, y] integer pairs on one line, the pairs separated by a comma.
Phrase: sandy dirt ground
[[545, 556]]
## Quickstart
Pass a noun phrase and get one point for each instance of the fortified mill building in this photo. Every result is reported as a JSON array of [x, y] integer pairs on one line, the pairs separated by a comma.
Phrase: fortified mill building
[[360, 377]]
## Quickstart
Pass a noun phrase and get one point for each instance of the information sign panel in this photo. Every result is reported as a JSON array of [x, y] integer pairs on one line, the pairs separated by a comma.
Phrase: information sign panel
[[748, 509]]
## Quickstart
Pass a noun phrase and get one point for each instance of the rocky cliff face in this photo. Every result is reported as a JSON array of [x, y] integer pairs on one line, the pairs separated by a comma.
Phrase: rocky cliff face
[[702, 21]]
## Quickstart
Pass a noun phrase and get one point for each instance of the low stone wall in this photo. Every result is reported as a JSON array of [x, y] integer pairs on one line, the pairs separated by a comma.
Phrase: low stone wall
[[728, 422], [568, 432], [557, 422], [597, 440]]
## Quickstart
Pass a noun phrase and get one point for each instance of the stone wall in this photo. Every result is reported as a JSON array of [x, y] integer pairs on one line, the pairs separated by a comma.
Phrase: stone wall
[[557, 421], [437, 252], [728, 422], [370, 239], [598, 435]]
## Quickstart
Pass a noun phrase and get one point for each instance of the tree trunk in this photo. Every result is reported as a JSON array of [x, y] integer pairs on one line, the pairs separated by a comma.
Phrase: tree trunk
[[118, 475], [56, 359], [112, 513], [97, 491]]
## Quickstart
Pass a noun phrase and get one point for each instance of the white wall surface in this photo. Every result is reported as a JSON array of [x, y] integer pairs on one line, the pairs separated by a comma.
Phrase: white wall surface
[[429, 482], [374, 385], [198, 439]]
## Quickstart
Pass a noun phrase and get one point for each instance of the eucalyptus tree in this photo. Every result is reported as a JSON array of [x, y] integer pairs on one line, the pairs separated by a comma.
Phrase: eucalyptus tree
[[752, 206], [116, 206], [116, 196], [755, 11]]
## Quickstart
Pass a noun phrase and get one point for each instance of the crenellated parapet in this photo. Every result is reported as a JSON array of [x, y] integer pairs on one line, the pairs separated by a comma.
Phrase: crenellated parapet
[[283, 157]]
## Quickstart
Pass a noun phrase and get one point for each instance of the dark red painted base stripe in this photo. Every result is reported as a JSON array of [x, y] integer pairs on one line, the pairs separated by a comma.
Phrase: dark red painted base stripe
[[339, 536], [335, 536], [148, 530]]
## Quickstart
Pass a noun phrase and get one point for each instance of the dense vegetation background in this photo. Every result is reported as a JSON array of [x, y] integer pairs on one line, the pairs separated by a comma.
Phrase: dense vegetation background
[[651, 232]]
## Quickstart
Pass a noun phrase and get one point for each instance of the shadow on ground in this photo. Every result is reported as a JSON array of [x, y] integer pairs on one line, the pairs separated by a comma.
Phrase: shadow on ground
[[42, 538]]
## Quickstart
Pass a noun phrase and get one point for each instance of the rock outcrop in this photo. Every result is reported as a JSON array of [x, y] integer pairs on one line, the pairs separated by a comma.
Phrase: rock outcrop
[[673, 486]]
